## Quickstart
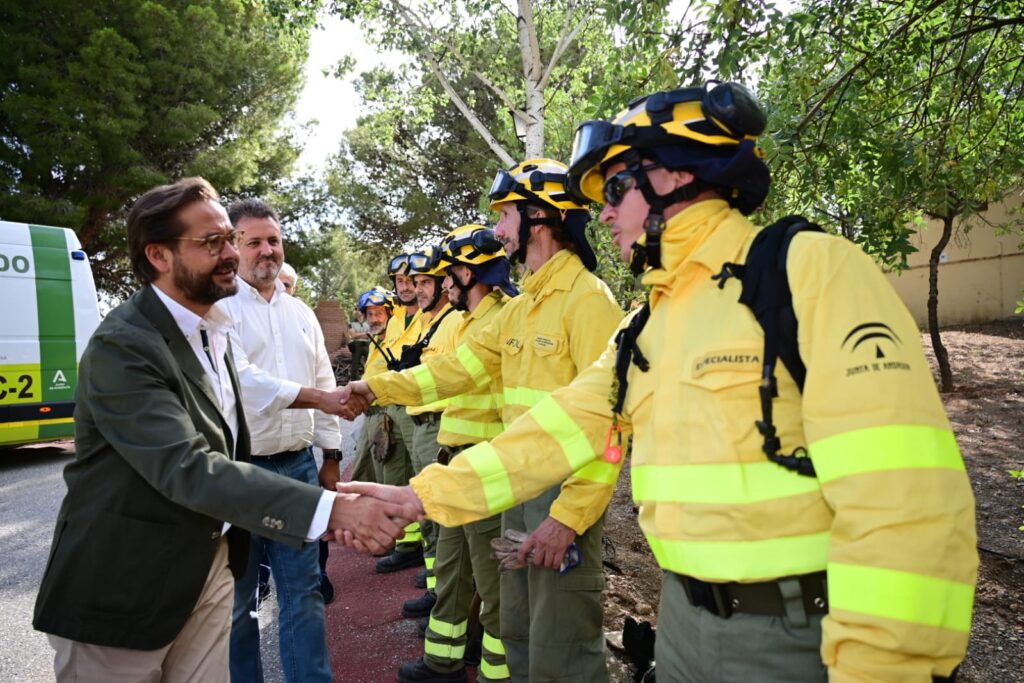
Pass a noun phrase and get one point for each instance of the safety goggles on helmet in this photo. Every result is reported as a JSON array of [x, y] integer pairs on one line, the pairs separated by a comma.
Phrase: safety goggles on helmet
[[426, 262], [399, 265], [374, 297], [476, 245], [539, 181], [717, 114]]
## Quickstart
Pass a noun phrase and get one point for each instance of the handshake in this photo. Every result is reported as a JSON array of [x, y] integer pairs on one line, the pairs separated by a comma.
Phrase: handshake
[[348, 402], [370, 517]]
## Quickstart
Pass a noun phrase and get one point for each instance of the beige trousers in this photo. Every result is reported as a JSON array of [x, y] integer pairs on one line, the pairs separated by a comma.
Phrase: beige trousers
[[198, 654]]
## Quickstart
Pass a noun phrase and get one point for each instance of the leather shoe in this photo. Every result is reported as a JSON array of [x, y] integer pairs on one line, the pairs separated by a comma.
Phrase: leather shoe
[[422, 626], [421, 579], [419, 607], [396, 560], [419, 672]]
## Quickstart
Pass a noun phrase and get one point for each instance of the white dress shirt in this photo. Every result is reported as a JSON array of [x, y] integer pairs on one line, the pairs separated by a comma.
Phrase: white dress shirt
[[278, 348]]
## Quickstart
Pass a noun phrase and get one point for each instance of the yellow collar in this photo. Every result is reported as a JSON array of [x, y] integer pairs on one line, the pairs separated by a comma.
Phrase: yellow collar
[[559, 272]]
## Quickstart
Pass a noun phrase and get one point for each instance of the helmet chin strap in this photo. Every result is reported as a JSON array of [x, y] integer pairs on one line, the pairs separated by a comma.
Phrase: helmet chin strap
[[525, 223], [649, 254], [462, 302], [437, 295]]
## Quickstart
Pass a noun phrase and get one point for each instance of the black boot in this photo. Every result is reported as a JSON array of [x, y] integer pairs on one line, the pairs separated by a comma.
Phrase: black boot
[[396, 560], [421, 579], [422, 626], [419, 607], [419, 672]]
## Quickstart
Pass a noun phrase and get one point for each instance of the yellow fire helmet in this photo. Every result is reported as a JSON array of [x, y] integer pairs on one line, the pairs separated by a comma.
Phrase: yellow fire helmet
[[538, 181], [709, 130], [399, 265], [427, 262], [471, 245]]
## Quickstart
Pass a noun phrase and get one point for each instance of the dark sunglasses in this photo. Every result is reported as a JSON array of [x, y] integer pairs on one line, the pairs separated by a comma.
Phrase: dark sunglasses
[[616, 187]]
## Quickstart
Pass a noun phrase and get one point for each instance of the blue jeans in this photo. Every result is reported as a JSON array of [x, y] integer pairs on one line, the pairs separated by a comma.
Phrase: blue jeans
[[296, 575]]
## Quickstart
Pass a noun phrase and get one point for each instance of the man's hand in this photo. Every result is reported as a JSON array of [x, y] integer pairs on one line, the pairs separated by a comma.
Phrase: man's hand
[[548, 542], [366, 523], [355, 398], [330, 474], [402, 496]]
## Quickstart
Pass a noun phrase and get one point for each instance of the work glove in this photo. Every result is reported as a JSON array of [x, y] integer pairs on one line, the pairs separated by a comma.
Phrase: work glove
[[506, 552]]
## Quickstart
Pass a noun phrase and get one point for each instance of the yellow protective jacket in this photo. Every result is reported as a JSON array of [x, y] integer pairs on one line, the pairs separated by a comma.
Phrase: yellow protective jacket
[[444, 340], [890, 515], [476, 415], [542, 339]]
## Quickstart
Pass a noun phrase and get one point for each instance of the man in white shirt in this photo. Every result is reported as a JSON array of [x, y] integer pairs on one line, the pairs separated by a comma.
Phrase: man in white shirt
[[279, 348], [160, 496]]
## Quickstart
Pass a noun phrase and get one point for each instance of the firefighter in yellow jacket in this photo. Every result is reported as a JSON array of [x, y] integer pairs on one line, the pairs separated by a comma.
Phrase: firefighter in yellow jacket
[[551, 622], [394, 465], [866, 569], [439, 326], [478, 283]]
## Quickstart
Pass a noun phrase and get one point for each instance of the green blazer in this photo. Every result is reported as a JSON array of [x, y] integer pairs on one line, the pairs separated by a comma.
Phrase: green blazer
[[150, 487]]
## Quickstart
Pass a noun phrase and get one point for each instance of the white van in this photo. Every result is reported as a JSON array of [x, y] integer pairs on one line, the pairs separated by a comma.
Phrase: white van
[[48, 311]]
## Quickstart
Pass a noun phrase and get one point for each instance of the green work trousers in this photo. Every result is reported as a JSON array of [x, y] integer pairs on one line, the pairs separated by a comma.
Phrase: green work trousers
[[397, 469], [696, 646], [551, 625], [464, 555], [363, 467], [424, 452]]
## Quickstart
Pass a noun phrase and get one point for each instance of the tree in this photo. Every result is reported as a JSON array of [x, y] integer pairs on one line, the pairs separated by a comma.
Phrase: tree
[[102, 100], [884, 115]]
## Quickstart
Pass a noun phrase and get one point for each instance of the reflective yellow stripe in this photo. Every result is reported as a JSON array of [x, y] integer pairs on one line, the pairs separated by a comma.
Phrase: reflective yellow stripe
[[36, 423], [444, 650], [553, 419], [478, 401], [481, 430], [524, 396], [493, 645], [722, 484], [599, 471], [447, 630], [494, 672], [743, 560], [892, 447], [412, 533], [900, 595], [428, 387], [488, 466], [473, 365], [431, 582], [428, 562]]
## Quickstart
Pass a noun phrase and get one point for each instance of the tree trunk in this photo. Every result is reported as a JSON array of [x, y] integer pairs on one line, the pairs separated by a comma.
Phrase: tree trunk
[[945, 372]]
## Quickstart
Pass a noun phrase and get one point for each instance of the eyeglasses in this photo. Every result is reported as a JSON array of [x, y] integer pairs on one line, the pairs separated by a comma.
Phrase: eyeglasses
[[616, 187], [214, 242]]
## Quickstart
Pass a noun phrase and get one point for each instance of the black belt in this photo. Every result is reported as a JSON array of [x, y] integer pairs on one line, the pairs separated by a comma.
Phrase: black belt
[[374, 410], [446, 453], [282, 455], [425, 418], [766, 598]]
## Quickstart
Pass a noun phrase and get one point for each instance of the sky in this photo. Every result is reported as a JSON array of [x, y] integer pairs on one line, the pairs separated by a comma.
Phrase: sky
[[332, 102]]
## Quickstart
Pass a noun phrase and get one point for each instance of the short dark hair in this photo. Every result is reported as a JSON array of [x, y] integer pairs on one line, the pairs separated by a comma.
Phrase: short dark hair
[[251, 208], [559, 232], [153, 219]]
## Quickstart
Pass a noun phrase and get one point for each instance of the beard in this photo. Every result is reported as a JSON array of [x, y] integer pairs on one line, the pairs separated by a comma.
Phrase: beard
[[200, 287], [377, 329], [406, 302], [459, 298], [263, 272]]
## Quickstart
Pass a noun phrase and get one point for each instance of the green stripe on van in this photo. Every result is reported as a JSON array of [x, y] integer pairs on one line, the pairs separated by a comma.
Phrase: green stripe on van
[[56, 311]]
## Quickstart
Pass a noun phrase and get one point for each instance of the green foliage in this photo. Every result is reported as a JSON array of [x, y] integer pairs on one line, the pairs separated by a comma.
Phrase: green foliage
[[102, 100], [351, 268]]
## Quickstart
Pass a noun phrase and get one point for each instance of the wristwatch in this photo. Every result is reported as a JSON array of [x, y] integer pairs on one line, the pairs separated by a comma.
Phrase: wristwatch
[[332, 454]]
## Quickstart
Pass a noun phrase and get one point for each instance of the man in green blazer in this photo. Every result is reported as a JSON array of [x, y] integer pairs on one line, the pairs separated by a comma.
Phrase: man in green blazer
[[161, 497]]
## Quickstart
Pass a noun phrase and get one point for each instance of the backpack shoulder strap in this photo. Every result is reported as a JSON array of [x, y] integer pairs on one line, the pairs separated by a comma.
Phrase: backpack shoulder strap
[[765, 290]]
